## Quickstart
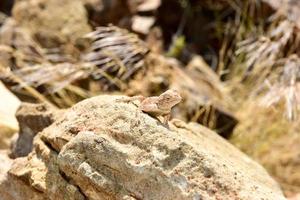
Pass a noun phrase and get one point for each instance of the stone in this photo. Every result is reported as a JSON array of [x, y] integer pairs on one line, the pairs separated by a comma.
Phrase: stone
[[149, 5], [142, 24], [8, 123], [52, 22], [32, 119], [107, 149]]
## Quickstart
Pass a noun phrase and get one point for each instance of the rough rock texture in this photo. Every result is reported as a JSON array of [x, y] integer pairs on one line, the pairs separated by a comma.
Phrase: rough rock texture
[[32, 119], [104, 149], [17, 48], [52, 21]]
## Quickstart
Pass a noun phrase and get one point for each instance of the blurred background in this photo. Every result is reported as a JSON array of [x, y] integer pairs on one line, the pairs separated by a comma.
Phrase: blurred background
[[235, 62]]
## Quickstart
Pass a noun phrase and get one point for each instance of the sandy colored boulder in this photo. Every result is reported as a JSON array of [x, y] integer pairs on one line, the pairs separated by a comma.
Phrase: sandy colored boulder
[[32, 119], [51, 21], [103, 149]]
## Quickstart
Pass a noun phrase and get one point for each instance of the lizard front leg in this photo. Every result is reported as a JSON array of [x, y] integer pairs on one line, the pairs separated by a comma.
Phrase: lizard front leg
[[166, 118]]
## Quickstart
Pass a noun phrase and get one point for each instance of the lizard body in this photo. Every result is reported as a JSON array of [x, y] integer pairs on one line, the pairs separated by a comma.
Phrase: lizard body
[[157, 106]]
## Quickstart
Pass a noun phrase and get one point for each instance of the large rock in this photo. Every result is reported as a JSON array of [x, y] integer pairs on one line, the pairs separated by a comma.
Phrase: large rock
[[51, 21], [8, 123], [107, 149]]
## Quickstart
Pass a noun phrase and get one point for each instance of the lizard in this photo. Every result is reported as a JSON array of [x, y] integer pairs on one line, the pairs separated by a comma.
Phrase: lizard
[[157, 106]]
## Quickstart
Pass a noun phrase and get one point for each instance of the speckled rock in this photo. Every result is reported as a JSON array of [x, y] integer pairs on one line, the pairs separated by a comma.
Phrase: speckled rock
[[107, 149]]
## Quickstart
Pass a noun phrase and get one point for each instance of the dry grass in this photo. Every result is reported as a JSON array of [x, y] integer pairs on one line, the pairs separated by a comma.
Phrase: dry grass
[[259, 57], [272, 67], [272, 140], [113, 57]]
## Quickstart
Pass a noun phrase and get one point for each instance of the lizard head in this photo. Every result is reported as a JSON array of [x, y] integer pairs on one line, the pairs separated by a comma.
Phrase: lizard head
[[170, 98]]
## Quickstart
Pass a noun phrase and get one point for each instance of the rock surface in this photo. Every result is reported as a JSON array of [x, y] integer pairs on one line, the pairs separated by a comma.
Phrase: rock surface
[[107, 149], [52, 21], [32, 119]]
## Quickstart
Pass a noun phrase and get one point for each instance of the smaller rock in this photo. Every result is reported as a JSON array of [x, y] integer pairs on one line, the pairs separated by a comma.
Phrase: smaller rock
[[149, 5], [142, 24], [32, 119]]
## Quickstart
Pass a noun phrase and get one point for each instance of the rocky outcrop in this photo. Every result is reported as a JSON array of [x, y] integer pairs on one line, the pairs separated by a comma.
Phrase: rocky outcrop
[[8, 123], [107, 149], [52, 22]]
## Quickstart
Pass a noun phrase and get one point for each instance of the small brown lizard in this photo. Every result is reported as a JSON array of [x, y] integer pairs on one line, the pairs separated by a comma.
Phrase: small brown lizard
[[157, 106]]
